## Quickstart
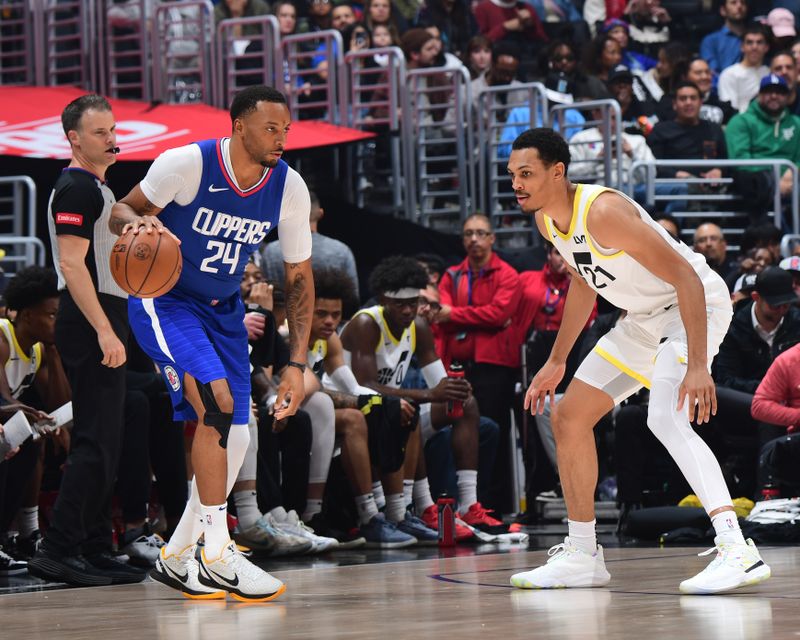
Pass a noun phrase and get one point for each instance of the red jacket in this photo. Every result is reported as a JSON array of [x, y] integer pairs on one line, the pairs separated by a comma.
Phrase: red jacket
[[490, 18], [487, 321], [777, 398]]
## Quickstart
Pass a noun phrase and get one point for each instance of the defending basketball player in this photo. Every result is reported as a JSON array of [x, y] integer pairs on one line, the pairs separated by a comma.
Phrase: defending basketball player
[[678, 313], [221, 198]]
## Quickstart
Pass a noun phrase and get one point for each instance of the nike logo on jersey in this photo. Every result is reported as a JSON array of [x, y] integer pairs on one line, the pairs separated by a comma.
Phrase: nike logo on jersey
[[213, 189]]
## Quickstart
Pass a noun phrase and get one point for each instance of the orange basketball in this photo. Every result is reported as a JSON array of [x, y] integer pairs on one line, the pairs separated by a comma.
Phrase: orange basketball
[[146, 265]]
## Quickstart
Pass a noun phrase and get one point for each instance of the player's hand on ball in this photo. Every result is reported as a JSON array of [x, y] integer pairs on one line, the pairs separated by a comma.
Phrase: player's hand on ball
[[147, 224], [544, 384], [699, 393], [112, 348]]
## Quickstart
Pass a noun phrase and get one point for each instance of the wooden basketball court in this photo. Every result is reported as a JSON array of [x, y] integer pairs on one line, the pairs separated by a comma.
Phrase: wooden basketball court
[[460, 597]]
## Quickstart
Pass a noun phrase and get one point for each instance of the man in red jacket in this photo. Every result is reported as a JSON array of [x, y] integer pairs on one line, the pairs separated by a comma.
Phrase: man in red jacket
[[513, 21], [478, 300]]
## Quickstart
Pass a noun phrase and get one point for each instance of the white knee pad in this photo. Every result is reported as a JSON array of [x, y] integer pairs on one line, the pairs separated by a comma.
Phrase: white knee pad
[[319, 407], [249, 464]]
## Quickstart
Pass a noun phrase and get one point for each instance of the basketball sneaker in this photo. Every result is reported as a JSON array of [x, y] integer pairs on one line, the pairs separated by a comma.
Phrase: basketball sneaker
[[382, 534], [430, 518], [180, 571], [347, 540], [292, 524], [567, 566], [238, 576], [264, 536], [735, 565], [413, 526], [11, 567], [141, 546], [478, 517]]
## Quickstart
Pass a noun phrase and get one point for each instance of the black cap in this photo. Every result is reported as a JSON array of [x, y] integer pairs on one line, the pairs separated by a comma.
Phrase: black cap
[[776, 286], [620, 73]]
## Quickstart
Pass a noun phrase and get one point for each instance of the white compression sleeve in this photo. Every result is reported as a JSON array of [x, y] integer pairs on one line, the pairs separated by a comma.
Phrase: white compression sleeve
[[249, 463], [323, 433], [345, 381], [433, 373]]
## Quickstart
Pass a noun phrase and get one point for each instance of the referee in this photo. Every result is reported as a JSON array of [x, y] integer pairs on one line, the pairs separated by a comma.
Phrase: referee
[[91, 332]]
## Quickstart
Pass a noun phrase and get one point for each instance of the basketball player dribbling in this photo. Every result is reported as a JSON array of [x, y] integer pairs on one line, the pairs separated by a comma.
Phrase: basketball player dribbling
[[221, 198], [678, 313]]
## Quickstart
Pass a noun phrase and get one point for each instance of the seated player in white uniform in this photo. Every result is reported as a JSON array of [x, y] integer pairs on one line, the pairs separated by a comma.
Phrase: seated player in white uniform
[[379, 343], [678, 313], [352, 401]]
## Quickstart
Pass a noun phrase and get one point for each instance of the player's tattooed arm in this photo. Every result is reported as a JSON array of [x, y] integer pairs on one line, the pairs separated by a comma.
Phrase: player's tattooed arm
[[342, 400], [299, 307], [136, 211]]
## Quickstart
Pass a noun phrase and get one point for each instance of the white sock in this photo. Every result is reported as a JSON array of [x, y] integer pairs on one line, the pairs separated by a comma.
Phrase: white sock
[[377, 491], [395, 509], [313, 507], [408, 492], [246, 508], [367, 509], [726, 526], [215, 529], [422, 496], [467, 481], [583, 536], [27, 521]]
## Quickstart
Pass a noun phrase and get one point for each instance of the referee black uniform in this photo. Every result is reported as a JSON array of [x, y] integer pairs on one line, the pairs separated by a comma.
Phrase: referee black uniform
[[80, 529]]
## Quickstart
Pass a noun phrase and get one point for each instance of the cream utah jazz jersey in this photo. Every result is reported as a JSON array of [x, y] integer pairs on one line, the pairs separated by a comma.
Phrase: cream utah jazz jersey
[[21, 367], [392, 355], [316, 357], [615, 275]]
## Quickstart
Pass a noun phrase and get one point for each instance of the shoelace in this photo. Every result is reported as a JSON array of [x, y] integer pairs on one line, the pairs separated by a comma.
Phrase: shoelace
[[5, 558]]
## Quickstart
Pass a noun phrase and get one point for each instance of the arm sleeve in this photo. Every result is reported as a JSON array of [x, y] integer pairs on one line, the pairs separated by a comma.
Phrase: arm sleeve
[[433, 373], [771, 395], [75, 210], [294, 230], [500, 309], [174, 175]]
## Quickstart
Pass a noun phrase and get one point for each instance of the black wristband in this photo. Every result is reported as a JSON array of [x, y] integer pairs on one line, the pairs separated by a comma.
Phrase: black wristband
[[298, 365]]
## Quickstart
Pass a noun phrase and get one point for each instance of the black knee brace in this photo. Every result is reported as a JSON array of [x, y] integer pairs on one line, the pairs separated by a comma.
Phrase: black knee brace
[[220, 420]]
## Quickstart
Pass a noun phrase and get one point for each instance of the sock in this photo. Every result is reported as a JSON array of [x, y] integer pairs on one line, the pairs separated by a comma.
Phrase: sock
[[246, 508], [408, 493], [395, 509], [422, 495], [27, 521], [583, 536], [313, 507], [367, 509], [467, 481], [726, 526], [215, 529], [377, 491]]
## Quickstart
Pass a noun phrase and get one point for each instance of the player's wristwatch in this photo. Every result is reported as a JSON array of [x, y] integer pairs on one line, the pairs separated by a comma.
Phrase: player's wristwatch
[[298, 365]]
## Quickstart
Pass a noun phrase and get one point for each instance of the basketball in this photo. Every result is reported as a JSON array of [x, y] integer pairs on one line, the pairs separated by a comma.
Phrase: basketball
[[146, 265]]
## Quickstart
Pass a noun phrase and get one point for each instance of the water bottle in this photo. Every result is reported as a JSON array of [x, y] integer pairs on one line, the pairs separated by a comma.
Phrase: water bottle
[[446, 507], [770, 490], [455, 408]]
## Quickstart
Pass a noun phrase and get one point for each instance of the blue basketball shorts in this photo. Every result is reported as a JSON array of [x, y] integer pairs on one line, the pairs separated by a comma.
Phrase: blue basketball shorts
[[184, 335]]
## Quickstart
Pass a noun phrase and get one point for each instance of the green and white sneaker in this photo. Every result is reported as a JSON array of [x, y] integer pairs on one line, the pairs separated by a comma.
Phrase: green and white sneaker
[[735, 566], [568, 566]]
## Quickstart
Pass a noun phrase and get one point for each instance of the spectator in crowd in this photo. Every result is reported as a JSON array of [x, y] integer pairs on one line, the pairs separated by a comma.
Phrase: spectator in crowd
[[479, 56], [502, 72], [511, 20], [455, 22], [382, 12], [561, 57], [286, 13], [781, 22], [723, 48], [620, 31], [383, 36], [687, 136], [649, 25], [597, 12], [420, 48], [601, 57], [342, 15], [739, 83], [478, 299], [660, 80], [227, 9], [792, 265], [795, 49], [434, 266], [561, 19], [762, 233], [319, 15], [766, 130], [713, 109], [328, 253], [670, 224], [784, 65], [776, 402], [709, 240], [637, 115]]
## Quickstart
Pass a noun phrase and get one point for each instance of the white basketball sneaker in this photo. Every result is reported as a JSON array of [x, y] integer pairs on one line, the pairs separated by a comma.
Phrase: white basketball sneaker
[[290, 523], [238, 576], [568, 566], [736, 565], [179, 571]]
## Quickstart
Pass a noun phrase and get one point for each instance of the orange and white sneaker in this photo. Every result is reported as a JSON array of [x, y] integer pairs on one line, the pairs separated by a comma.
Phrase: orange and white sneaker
[[238, 576], [478, 517], [430, 517], [180, 571]]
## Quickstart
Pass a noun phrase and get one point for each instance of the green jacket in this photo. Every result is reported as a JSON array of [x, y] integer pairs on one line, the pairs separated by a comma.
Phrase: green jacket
[[754, 134]]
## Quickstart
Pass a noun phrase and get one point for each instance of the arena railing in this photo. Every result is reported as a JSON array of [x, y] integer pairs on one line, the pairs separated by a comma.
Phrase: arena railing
[[311, 64], [17, 53], [438, 172], [25, 251], [66, 30], [18, 212], [124, 48], [708, 194], [182, 67], [243, 60], [495, 135], [372, 99]]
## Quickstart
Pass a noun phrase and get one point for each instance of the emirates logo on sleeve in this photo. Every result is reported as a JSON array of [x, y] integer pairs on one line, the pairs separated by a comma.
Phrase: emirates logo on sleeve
[[69, 218]]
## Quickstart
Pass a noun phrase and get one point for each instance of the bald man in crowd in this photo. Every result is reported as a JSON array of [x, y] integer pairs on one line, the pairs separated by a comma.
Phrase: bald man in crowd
[[710, 241]]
